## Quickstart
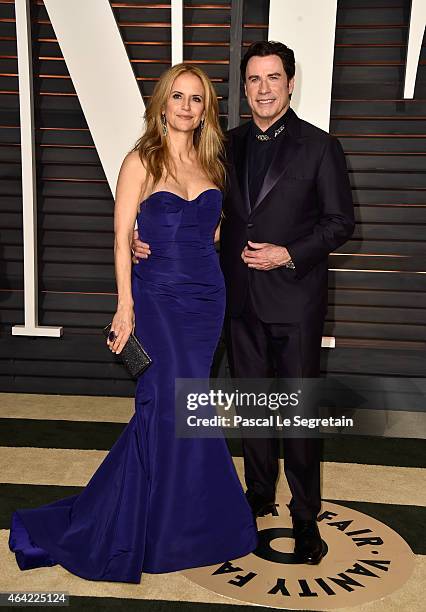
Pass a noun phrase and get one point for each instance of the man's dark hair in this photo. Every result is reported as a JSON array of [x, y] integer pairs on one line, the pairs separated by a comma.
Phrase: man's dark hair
[[270, 47]]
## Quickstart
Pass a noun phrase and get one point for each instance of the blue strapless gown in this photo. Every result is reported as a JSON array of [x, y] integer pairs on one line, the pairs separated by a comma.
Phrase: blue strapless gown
[[157, 503]]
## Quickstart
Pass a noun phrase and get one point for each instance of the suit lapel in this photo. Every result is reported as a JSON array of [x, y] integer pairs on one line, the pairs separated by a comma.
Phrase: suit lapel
[[245, 179], [284, 154], [240, 163]]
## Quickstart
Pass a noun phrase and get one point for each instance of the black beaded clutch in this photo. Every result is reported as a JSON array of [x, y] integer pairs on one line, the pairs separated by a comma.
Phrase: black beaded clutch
[[133, 355]]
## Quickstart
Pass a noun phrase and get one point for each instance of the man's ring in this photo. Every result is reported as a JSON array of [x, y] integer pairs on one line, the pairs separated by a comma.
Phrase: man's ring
[[112, 336]]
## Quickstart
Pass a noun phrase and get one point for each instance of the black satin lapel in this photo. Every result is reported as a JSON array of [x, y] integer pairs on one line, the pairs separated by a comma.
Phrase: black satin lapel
[[283, 156], [245, 191], [240, 158]]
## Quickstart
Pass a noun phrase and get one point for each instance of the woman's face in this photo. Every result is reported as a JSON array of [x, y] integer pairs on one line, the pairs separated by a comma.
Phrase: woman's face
[[185, 106]]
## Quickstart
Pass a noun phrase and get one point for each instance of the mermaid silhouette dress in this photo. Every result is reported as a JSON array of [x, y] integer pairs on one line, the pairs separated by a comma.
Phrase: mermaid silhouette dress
[[157, 503]]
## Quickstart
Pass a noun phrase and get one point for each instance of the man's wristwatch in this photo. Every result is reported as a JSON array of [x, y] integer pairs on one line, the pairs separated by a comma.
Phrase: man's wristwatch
[[289, 264]]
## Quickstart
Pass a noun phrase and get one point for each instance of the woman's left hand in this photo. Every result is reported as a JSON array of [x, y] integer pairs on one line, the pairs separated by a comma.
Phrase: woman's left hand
[[123, 325]]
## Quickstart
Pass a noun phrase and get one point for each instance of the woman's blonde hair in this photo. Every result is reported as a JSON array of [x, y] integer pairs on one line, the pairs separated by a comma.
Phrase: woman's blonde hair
[[208, 140]]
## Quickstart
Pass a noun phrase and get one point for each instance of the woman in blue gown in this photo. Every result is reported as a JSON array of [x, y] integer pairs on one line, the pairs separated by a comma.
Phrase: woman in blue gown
[[158, 503]]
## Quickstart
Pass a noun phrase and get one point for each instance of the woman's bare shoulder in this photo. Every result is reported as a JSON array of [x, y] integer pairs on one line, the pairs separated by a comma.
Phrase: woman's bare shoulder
[[133, 162]]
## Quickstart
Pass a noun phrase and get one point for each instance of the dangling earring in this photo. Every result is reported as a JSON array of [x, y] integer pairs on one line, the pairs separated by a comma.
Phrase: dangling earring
[[202, 124], [164, 123]]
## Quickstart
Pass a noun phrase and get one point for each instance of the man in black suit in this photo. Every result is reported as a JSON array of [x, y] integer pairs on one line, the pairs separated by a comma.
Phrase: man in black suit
[[287, 205]]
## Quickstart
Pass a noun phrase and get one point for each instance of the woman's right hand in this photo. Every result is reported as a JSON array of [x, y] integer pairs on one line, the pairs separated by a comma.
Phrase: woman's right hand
[[123, 324], [140, 250]]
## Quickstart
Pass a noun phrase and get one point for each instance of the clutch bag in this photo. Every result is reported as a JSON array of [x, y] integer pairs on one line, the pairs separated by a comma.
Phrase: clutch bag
[[133, 355]]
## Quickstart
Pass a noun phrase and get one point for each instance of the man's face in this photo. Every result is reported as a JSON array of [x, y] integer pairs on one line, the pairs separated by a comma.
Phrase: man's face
[[267, 89]]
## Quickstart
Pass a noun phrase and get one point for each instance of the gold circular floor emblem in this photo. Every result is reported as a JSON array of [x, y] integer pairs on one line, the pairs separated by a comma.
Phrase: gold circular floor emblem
[[365, 561]]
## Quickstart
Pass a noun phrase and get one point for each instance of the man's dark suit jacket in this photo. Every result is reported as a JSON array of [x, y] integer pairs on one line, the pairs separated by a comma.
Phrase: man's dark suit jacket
[[304, 204]]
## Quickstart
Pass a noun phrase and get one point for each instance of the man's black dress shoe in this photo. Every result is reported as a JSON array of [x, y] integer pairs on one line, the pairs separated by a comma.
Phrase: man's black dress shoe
[[308, 546], [259, 504]]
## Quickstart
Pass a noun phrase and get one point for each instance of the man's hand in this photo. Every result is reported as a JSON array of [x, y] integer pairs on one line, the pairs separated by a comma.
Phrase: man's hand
[[265, 256], [140, 249]]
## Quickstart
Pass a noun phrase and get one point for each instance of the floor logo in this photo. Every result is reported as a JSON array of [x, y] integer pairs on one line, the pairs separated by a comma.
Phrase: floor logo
[[365, 561]]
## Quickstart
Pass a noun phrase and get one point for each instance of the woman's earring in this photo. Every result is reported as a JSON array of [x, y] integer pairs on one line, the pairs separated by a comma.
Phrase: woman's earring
[[202, 124], [164, 123]]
